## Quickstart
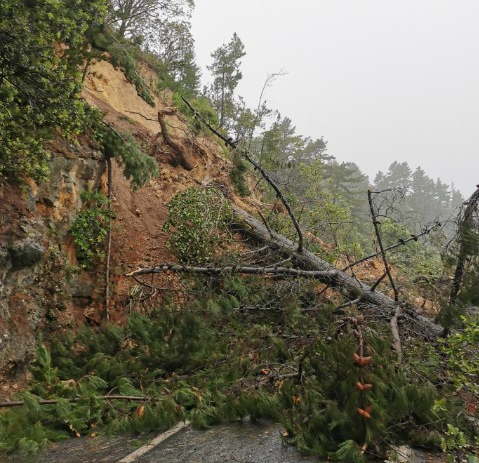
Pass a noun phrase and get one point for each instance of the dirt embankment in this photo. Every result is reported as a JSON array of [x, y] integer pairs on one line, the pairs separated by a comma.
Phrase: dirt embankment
[[41, 289]]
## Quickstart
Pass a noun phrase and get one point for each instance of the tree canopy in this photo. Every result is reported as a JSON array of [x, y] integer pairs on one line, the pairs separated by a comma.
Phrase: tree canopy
[[41, 45], [226, 73]]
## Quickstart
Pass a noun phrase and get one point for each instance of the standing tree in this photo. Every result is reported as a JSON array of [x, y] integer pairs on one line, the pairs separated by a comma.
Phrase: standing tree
[[140, 17], [226, 74], [175, 48]]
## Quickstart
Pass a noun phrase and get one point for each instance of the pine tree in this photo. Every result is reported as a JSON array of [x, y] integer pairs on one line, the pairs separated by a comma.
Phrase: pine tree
[[226, 73], [175, 48]]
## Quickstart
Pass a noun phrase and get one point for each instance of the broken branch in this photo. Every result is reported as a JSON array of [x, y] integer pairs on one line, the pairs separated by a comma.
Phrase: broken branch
[[229, 142]]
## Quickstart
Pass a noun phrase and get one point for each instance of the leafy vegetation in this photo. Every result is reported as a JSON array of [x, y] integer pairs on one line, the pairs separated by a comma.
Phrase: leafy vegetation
[[242, 346], [461, 350], [237, 175], [90, 228], [138, 166], [43, 59], [212, 361], [196, 219], [42, 44]]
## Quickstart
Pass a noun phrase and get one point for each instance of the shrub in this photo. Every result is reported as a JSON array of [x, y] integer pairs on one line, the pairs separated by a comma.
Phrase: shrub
[[91, 228], [197, 219]]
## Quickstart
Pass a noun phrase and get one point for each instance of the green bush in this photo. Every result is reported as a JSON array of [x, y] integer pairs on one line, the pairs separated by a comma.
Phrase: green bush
[[462, 351], [91, 228], [39, 86], [197, 219]]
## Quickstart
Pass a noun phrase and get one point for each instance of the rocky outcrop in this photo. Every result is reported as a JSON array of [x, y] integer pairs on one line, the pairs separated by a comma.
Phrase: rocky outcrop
[[40, 287]]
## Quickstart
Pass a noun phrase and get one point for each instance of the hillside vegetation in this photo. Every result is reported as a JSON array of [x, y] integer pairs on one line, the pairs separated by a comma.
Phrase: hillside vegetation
[[169, 253]]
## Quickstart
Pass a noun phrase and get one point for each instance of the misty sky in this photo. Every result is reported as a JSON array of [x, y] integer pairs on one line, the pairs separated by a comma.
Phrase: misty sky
[[381, 80]]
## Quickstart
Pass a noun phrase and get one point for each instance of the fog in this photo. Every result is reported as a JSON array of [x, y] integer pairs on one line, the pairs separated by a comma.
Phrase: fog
[[380, 80]]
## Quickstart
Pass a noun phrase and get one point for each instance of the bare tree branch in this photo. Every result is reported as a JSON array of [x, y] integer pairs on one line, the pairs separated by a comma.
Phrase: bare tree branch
[[381, 247], [401, 242], [265, 271], [229, 142]]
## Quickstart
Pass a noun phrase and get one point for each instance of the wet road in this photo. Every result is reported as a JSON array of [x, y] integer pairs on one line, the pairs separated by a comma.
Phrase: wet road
[[242, 442]]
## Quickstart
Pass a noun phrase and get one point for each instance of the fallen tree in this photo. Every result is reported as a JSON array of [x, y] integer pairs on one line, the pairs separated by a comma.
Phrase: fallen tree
[[306, 265], [351, 287]]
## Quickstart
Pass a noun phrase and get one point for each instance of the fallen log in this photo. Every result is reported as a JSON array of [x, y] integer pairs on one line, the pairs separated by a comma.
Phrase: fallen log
[[305, 265], [349, 286]]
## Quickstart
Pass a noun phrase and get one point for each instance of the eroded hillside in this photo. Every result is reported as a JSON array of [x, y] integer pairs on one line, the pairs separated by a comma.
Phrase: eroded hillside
[[42, 289]]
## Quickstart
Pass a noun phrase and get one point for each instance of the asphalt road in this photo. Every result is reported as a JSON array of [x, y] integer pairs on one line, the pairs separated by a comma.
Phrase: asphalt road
[[242, 442]]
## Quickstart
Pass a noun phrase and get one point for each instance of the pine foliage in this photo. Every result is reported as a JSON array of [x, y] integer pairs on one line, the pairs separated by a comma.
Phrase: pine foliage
[[210, 361]]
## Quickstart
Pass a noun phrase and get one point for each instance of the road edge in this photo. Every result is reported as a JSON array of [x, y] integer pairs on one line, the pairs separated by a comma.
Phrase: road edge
[[132, 457]]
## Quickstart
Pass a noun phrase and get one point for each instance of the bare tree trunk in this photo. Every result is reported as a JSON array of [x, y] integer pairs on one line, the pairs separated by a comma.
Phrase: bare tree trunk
[[108, 247], [346, 284], [381, 247]]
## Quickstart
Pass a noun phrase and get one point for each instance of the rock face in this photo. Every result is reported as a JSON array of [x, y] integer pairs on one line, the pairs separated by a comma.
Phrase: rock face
[[39, 277]]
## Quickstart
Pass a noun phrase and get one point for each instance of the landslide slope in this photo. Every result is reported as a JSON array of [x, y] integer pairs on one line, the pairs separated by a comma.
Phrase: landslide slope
[[41, 286]]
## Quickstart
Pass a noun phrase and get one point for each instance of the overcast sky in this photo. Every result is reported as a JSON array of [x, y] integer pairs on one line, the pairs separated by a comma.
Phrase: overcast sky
[[380, 80]]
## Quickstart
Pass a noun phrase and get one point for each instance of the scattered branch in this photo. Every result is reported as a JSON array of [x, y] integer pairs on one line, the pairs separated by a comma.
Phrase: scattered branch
[[348, 304], [229, 142], [378, 281], [381, 247], [19, 403]]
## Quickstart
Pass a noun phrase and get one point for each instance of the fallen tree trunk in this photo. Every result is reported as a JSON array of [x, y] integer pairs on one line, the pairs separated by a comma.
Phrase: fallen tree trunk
[[349, 286], [306, 265]]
